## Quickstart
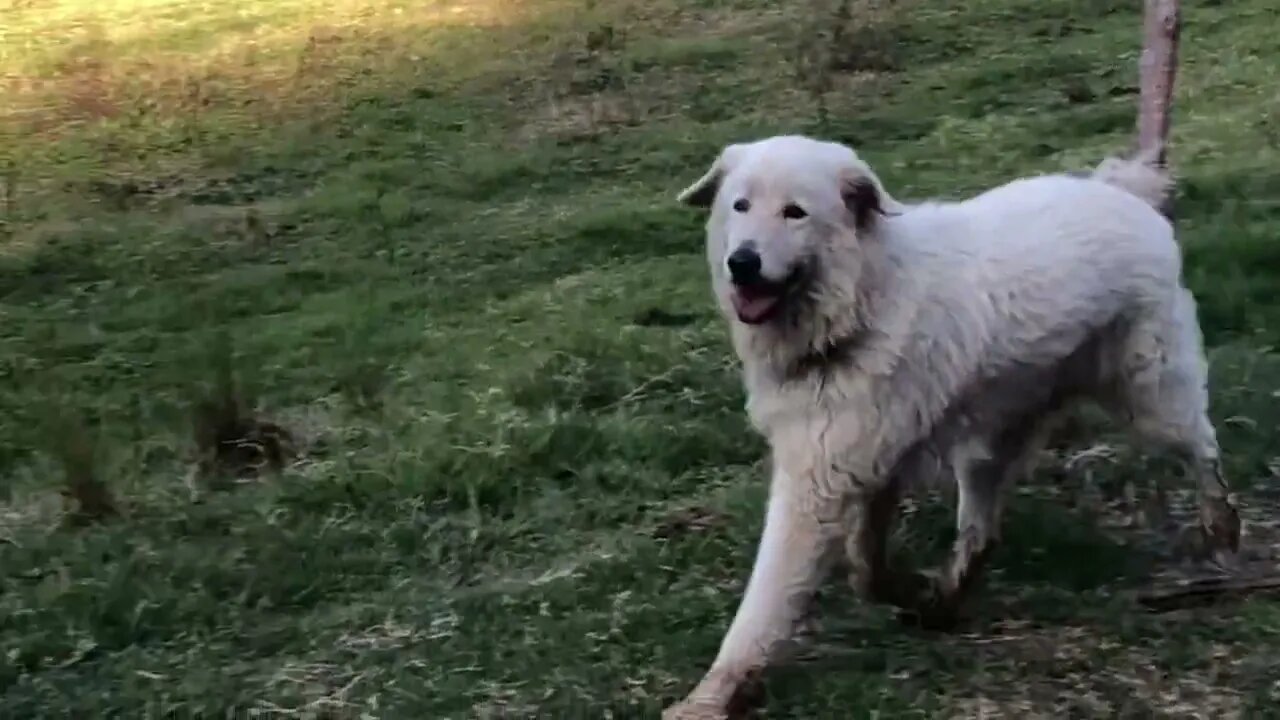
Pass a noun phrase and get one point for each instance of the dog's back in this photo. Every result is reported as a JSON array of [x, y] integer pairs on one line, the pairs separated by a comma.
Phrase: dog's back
[[1057, 228], [1026, 271]]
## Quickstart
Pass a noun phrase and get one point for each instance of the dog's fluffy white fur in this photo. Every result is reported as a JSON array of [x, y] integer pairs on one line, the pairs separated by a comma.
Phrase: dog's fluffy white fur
[[934, 339]]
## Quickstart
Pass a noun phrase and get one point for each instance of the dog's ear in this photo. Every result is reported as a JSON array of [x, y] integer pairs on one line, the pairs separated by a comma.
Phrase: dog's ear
[[703, 191], [863, 198]]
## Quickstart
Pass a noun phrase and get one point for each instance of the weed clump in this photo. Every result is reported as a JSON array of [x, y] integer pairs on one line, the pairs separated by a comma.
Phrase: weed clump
[[232, 442], [73, 447]]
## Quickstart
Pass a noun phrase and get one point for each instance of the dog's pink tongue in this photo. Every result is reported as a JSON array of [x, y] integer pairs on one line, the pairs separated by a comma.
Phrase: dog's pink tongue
[[752, 309]]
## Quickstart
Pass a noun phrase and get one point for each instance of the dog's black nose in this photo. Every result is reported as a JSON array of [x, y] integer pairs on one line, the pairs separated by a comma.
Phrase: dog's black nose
[[744, 266]]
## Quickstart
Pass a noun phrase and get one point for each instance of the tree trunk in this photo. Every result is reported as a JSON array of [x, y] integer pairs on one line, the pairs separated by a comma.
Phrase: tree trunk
[[1156, 72]]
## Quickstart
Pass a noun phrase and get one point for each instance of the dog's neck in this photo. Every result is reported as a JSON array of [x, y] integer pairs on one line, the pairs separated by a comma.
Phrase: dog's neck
[[772, 373], [838, 351]]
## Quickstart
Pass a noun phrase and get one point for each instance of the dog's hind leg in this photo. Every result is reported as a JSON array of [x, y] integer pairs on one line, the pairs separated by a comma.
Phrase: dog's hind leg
[[1164, 393], [979, 477], [868, 523], [983, 471], [870, 520], [928, 597]]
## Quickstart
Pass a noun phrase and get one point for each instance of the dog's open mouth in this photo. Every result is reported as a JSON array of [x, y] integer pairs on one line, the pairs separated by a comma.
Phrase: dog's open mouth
[[760, 301], [757, 303]]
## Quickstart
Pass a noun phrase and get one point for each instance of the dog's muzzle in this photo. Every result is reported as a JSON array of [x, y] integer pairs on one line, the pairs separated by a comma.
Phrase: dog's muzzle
[[757, 299]]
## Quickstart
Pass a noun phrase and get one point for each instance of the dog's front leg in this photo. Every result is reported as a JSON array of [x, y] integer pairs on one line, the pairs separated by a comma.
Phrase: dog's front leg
[[801, 527]]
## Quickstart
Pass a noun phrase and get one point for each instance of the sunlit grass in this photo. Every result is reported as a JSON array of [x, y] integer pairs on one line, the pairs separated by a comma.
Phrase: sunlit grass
[[130, 78]]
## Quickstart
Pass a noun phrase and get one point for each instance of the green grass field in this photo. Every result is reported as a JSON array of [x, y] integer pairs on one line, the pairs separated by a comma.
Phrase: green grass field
[[438, 244]]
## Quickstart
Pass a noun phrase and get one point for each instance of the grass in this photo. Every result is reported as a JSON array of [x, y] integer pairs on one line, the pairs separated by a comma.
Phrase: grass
[[435, 242]]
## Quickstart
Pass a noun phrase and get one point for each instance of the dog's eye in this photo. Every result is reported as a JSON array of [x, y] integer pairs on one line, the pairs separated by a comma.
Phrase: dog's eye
[[792, 211], [741, 205]]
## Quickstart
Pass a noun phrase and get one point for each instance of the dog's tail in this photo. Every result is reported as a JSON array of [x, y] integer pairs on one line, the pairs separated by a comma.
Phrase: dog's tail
[[1143, 175]]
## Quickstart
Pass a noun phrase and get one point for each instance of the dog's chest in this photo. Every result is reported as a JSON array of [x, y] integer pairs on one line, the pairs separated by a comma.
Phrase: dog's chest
[[819, 417]]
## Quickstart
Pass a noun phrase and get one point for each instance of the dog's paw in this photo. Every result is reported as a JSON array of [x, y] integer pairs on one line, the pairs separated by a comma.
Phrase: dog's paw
[[695, 710], [1217, 541], [931, 606], [1226, 561]]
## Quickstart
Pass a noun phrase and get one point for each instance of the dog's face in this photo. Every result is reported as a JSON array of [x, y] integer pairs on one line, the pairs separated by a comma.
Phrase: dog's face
[[779, 207]]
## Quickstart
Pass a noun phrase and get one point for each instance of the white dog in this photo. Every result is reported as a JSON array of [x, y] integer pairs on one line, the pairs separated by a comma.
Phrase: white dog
[[881, 341]]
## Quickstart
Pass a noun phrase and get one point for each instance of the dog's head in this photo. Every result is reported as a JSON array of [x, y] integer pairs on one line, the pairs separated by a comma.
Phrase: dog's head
[[782, 211]]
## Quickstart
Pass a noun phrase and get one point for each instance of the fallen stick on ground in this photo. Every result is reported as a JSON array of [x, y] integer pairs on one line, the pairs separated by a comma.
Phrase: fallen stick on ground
[[1189, 593]]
